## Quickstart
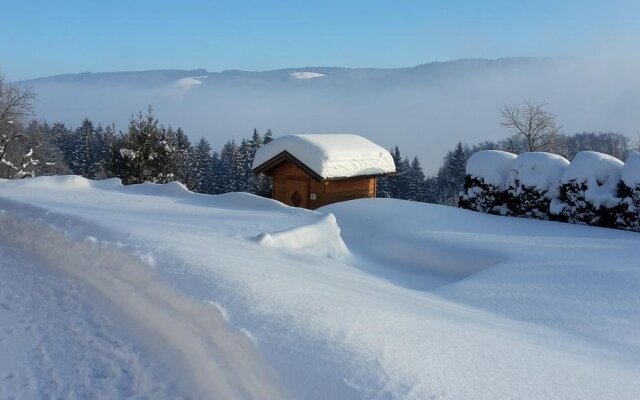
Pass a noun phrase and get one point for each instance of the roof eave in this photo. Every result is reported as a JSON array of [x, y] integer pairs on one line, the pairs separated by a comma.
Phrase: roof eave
[[283, 156]]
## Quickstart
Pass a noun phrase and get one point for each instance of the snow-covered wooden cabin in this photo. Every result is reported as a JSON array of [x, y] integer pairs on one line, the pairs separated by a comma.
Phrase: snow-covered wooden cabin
[[311, 170]]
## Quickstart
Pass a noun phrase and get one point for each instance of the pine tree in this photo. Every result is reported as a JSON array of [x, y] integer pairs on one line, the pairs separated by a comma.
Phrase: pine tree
[[163, 161], [246, 159], [231, 168], [145, 152], [184, 159], [268, 137], [415, 182], [202, 168], [451, 175], [217, 176]]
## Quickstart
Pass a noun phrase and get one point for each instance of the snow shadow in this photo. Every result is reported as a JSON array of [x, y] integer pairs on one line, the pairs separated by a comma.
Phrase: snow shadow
[[419, 263]]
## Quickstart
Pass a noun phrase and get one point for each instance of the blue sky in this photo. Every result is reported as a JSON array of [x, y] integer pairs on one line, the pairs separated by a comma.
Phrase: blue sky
[[40, 38]]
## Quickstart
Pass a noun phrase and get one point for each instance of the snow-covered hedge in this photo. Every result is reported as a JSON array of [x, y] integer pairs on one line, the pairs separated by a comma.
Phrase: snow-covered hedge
[[594, 189], [484, 186], [533, 182], [588, 190], [629, 194]]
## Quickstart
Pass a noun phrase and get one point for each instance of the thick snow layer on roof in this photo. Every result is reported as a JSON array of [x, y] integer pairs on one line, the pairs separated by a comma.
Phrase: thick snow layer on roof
[[331, 155], [600, 172], [631, 170], [539, 170], [491, 165]]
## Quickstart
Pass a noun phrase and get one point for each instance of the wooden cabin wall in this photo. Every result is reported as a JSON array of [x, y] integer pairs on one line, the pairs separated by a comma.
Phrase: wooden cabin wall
[[326, 192], [349, 189], [289, 170]]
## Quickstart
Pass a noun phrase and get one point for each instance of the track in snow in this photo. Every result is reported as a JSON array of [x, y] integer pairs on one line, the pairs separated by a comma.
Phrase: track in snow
[[98, 324]]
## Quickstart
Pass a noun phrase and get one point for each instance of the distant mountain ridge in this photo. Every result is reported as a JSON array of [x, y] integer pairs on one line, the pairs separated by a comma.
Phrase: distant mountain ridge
[[166, 76]]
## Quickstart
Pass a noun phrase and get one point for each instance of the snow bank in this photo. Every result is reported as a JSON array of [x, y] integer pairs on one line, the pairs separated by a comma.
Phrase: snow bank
[[538, 170], [631, 170], [492, 166], [321, 238], [330, 155], [599, 172]]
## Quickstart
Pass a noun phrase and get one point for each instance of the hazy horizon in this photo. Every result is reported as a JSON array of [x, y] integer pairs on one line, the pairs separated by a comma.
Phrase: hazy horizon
[[425, 110]]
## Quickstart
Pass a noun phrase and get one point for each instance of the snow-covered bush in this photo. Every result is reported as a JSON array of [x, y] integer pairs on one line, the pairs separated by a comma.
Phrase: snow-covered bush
[[588, 190], [629, 194], [484, 185], [533, 182]]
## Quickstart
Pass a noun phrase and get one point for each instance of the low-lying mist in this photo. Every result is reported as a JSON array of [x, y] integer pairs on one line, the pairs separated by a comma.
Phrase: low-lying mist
[[424, 110]]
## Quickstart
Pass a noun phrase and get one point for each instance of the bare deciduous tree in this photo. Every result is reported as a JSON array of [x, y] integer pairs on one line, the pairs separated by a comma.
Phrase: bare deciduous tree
[[16, 104], [533, 123]]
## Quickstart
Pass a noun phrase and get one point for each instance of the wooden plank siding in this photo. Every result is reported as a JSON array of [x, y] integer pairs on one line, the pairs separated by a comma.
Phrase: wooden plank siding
[[349, 189], [287, 177]]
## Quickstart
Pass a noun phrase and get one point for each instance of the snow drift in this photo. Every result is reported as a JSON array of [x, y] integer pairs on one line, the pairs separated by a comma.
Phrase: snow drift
[[321, 238]]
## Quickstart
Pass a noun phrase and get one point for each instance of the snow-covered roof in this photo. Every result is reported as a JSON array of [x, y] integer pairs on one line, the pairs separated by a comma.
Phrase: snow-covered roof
[[631, 170], [492, 166], [330, 155], [539, 170]]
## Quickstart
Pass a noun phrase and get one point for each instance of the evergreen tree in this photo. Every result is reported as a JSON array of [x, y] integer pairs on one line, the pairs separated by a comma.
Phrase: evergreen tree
[[451, 175], [230, 177], [145, 152], [246, 154], [184, 159], [203, 172], [415, 182], [217, 181], [268, 137]]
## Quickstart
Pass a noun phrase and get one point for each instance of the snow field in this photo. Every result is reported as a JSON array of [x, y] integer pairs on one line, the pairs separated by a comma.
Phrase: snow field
[[524, 309]]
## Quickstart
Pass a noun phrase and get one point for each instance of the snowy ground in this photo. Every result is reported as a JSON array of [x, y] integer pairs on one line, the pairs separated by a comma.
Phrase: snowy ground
[[423, 301]]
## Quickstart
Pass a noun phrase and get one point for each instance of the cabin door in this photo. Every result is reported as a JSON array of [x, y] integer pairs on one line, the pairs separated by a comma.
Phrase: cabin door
[[297, 192]]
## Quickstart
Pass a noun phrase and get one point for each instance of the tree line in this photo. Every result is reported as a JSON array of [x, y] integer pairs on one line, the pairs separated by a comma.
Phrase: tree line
[[150, 152]]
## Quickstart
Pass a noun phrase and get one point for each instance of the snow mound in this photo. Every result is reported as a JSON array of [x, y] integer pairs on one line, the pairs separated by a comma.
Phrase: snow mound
[[66, 182], [305, 75], [321, 238], [631, 170], [330, 155], [538, 170], [492, 166], [174, 188], [599, 172]]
